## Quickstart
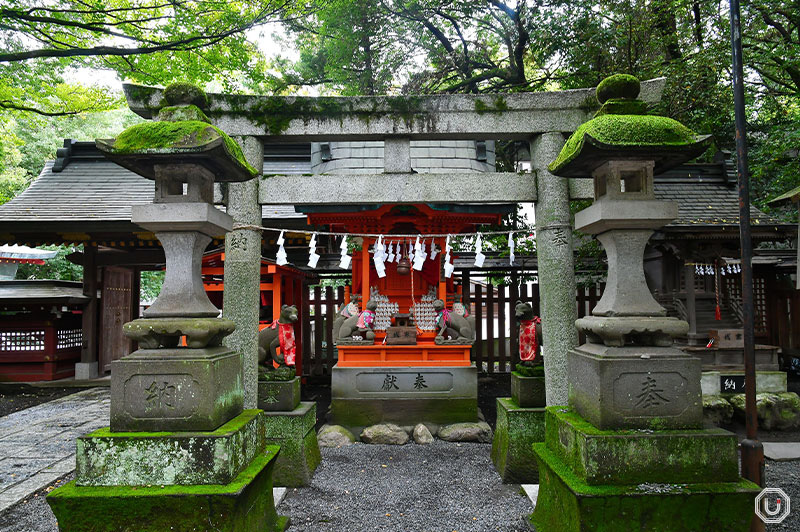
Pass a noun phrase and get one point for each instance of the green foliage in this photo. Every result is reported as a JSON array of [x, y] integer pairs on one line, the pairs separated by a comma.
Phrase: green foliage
[[58, 267], [150, 283]]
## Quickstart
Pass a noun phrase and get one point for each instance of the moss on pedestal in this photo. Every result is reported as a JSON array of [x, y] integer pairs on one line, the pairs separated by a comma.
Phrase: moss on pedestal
[[567, 504], [245, 504], [516, 430], [294, 432]]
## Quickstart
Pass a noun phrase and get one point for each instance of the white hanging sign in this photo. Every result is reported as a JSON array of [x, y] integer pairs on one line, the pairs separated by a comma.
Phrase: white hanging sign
[[511, 245], [479, 256]]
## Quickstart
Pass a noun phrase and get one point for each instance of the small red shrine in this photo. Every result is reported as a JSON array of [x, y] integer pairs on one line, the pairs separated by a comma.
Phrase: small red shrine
[[381, 381]]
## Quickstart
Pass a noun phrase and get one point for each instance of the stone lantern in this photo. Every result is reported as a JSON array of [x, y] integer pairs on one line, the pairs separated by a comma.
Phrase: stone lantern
[[181, 453], [631, 448]]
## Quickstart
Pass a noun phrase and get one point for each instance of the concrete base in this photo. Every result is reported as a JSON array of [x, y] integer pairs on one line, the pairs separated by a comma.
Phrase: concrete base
[[85, 371], [732, 381], [516, 431], [279, 396], [659, 481], [294, 432], [179, 389], [726, 359], [106, 458], [403, 395], [527, 392], [635, 387], [246, 504]]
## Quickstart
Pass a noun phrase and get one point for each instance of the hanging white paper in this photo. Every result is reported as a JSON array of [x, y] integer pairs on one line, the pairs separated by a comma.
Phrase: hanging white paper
[[479, 257], [511, 245], [280, 256]]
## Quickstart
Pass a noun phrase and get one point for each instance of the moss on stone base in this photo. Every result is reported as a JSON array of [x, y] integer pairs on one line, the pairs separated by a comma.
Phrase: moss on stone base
[[246, 504], [634, 456], [517, 429], [300, 455], [567, 504]]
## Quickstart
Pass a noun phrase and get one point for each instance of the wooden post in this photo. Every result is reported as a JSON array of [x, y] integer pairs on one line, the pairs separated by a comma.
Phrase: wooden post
[[277, 286], [87, 368]]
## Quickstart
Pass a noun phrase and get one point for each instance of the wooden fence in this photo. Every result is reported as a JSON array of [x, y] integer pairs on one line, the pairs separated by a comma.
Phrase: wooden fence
[[497, 331]]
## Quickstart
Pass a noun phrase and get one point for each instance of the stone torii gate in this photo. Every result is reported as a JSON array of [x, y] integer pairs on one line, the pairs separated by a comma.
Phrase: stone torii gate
[[543, 119]]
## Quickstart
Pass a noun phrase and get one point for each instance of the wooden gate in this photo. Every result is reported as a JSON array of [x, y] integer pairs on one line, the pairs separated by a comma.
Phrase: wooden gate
[[117, 308]]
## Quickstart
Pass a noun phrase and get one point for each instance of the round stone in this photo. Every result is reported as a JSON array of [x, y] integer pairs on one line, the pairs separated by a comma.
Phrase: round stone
[[618, 86], [182, 93]]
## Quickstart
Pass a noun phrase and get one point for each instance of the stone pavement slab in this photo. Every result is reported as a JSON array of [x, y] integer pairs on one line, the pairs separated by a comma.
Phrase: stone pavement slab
[[782, 451], [37, 445]]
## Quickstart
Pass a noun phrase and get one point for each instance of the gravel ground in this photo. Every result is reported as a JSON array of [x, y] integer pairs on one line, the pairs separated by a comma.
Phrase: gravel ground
[[785, 475], [424, 488]]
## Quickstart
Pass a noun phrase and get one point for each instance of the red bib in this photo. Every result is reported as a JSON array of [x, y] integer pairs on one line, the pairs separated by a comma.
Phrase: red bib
[[528, 346], [286, 337]]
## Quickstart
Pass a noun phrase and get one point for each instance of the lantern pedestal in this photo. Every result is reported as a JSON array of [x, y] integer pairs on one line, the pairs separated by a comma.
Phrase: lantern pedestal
[[665, 481]]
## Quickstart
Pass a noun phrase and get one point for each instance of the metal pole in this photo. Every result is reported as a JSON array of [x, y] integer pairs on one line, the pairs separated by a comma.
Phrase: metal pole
[[752, 450]]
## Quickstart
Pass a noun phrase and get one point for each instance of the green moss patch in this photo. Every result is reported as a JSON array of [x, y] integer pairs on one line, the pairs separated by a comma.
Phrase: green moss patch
[[625, 130], [567, 504], [158, 137], [529, 371], [185, 93], [618, 86]]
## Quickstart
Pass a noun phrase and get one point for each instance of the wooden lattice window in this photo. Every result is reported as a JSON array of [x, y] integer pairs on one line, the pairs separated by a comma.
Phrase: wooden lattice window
[[22, 340], [66, 338]]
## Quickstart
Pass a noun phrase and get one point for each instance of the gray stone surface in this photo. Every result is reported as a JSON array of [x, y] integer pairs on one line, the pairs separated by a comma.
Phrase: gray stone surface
[[373, 187], [528, 392], [717, 410], [85, 371], [334, 436], [606, 214], [635, 387], [479, 432], [180, 458], [182, 294], [397, 155], [776, 411], [384, 434], [243, 270], [556, 266], [782, 451], [178, 389], [37, 445], [523, 114], [626, 292], [274, 396], [195, 216], [618, 331], [403, 395], [422, 435]]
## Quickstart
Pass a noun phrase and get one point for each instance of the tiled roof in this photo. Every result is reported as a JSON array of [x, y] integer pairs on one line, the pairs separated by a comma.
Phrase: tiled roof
[[707, 195], [92, 188], [43, 291]]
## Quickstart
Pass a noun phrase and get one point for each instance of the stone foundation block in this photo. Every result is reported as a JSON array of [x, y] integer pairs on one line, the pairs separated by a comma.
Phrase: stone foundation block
[[567, 504], [279, 396], [605, 457], [527, 392], [245, 504], [106, 458], [635, 387], [516, 431], [294, 432], [179, 389], [366, 396]]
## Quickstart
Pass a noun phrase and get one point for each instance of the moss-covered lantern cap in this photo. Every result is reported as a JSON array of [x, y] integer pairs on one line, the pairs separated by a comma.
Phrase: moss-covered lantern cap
[[791, 196], [143, 146], [622, 130]]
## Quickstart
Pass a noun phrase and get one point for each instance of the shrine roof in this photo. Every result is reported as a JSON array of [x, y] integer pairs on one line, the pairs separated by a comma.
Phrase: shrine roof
[[707, 197], [81, 185], [41, 291]]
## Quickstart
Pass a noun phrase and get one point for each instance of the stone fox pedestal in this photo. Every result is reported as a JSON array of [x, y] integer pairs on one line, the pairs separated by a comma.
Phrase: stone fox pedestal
[[520, 424]]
